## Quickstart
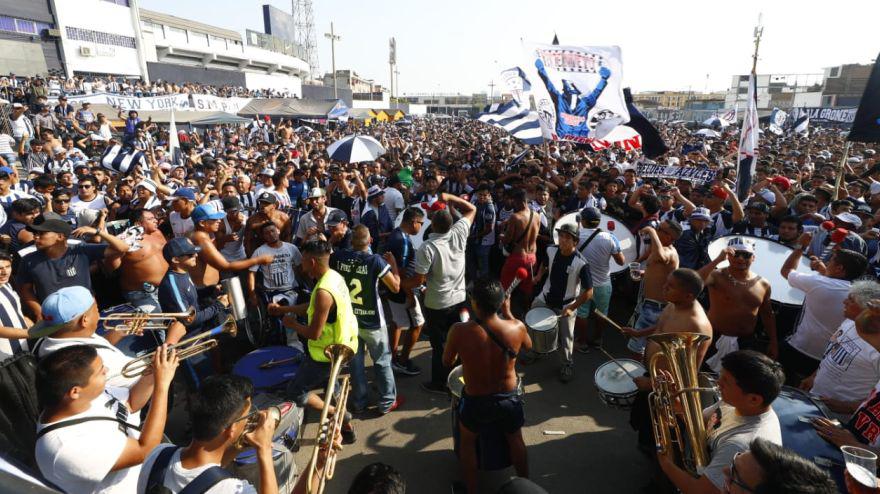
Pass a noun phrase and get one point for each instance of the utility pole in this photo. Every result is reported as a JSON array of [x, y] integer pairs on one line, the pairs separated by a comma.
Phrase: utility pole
[[392, 62], [491, 91], [333, 37]]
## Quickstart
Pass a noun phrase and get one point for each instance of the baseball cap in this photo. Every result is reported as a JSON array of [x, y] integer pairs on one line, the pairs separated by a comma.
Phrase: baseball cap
[[875, 188], [267, 197], [569, 229], [374, 191], [17, 105], [6, 170], [768, 196], [206, 212], [60, 308], [701, 214], [149, 185], [185, 193], [178, 247], [590, 215], [335, 217], [230, 203], [267, 171], [850, 218], [316, 192], [50, 222], [862, 208], [742, 244], [760, 206]]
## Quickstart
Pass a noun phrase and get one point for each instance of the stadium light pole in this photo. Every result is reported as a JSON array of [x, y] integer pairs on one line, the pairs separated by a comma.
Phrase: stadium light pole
[[333, 37]]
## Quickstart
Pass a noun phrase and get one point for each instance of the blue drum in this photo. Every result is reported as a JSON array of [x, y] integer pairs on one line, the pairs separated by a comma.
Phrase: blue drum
[[269, 368], [795, 410]]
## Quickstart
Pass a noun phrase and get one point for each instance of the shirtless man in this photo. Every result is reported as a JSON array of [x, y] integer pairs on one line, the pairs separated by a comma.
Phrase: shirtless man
[[267, 210], [737, 297], [142, 268], [206, 273], [489, 400], [520, 239], [662, 260]]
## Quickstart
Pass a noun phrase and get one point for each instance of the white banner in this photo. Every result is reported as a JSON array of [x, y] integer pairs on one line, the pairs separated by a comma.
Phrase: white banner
[[176, 101], [578, 90], [207, 102], [622, 137], [693, 174]]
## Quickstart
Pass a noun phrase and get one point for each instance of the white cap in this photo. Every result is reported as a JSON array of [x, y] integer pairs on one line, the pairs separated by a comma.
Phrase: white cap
[[742, 243], [875, 188], [850, 218], [768, 196]]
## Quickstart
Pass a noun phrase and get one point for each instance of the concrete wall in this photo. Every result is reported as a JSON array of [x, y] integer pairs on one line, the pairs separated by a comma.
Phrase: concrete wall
[[22, 58], [277, 81], [36, 64], [310, 91], [180, 73], [106, 17]]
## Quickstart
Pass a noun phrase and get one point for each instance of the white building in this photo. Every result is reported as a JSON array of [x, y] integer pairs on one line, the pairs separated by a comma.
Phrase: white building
[[777, 90], [98, 37]]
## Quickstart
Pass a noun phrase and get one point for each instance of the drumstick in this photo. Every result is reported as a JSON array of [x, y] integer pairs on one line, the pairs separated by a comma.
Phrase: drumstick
[[521, 274], [609, 321], [616, 362], [275, 363]]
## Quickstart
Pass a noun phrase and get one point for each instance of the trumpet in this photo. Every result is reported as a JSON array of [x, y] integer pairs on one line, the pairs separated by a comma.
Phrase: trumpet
[[328, 428], [187, 348], [253, 421], [136, 322]]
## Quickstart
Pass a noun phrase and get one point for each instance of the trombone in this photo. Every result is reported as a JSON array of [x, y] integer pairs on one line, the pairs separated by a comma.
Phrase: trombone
[[187, 348], [329, 427], [136, 322]]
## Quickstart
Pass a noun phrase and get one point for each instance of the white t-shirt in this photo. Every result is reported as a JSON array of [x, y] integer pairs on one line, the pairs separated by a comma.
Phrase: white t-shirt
[[821, 314], [850, 368], [78, 458], [180, 226], [178, 477], [77, 204], [394, 202], [729, 433], [441, 259], [113, 357], [279, 275], [7, 144]]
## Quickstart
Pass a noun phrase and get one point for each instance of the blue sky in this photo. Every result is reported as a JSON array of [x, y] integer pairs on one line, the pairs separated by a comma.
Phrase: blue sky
[[460, 46]]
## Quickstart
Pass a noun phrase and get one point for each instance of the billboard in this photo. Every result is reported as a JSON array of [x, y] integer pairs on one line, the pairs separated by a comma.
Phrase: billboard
[[278, 23]]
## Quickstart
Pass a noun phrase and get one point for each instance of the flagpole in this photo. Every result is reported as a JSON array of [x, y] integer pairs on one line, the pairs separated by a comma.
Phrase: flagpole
[[840, 169], [748, 131]]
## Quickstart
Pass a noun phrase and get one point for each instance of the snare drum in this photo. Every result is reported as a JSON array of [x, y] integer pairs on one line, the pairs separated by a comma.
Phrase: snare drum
[[284, 444], [269, 368], [543, 327], [617, 389], [492, 449]]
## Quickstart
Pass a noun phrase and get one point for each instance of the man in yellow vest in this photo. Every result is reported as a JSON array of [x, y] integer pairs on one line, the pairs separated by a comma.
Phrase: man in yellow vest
[[331, 321]]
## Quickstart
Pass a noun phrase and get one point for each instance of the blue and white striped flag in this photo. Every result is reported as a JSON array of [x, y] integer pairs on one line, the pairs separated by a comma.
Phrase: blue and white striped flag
[[748, 143], [121, 160], [517, 83], [519, 122], [801, 125]]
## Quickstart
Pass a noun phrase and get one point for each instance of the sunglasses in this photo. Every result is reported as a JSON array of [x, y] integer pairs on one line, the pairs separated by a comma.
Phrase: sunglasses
[[734, 475], [741, 254], [86, 186], [61, 201]]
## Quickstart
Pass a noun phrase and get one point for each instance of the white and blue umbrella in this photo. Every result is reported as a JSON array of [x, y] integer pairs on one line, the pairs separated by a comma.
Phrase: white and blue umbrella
[[716, 122], [707, 133], [355, 149]]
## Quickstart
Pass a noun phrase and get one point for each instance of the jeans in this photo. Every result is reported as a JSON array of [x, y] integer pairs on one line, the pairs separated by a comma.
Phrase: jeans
[[376, 342], [437, 323], [648, 317], [133, 345]]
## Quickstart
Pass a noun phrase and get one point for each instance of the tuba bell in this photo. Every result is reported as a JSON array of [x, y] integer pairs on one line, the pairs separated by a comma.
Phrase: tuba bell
[[686, 441]]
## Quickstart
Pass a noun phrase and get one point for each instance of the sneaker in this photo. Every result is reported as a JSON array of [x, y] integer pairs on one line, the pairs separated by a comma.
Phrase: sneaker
[[348, 434], [566, 373], [432, 387], [407, 369], [397, 368], [394, 406]]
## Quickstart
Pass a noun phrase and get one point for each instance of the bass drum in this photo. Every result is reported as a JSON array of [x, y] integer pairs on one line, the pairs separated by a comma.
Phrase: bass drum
[[611, 225], [418, 238], [269, 368], [795, 409], [769, 258]]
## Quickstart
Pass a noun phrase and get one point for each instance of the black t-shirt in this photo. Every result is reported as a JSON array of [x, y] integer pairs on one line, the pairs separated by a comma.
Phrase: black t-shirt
[[50, 275]]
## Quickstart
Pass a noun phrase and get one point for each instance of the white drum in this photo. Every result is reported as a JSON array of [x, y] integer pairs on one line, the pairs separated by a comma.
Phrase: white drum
[[624, 236], [455, 383], [418, 238], [616, 388], [769, 258], [543, 327]]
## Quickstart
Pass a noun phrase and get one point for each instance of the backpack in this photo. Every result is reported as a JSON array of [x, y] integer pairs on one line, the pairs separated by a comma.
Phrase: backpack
[[19, 409]]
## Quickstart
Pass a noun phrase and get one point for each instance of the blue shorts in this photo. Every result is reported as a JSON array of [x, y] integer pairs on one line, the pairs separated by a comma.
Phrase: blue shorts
[[496, 412], [648, 317], [600, 301]]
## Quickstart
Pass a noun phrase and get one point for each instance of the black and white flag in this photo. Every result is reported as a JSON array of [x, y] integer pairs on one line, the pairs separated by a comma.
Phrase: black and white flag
[[518, 121], [121, 160]]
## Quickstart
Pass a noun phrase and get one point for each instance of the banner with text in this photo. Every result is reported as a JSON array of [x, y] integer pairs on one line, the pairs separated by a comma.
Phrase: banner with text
[[176, 101], [825, 115], [580, 95], [693, 174], [207, 102]]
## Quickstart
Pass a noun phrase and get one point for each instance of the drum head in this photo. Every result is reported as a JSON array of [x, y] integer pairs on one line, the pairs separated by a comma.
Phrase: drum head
[[541, 319], [610, 377], [418, 238], [769, 258], [455, 381], [621, 232], [252, 366]]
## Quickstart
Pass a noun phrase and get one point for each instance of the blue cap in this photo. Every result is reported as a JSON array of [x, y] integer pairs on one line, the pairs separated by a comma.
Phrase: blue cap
[[206, 212], [7, 170], [179, 247], [185, 193], [590, 214], [60, 308]]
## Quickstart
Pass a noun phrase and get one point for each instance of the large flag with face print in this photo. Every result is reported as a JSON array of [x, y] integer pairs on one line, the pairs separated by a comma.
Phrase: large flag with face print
[[577, 90]]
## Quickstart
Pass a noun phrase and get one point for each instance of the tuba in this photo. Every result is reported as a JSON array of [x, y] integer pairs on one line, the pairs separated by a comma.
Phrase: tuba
[[330, 427], [687, 440]]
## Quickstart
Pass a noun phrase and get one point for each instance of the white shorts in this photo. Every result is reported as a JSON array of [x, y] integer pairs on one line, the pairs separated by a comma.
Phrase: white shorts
[[405, 317]]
